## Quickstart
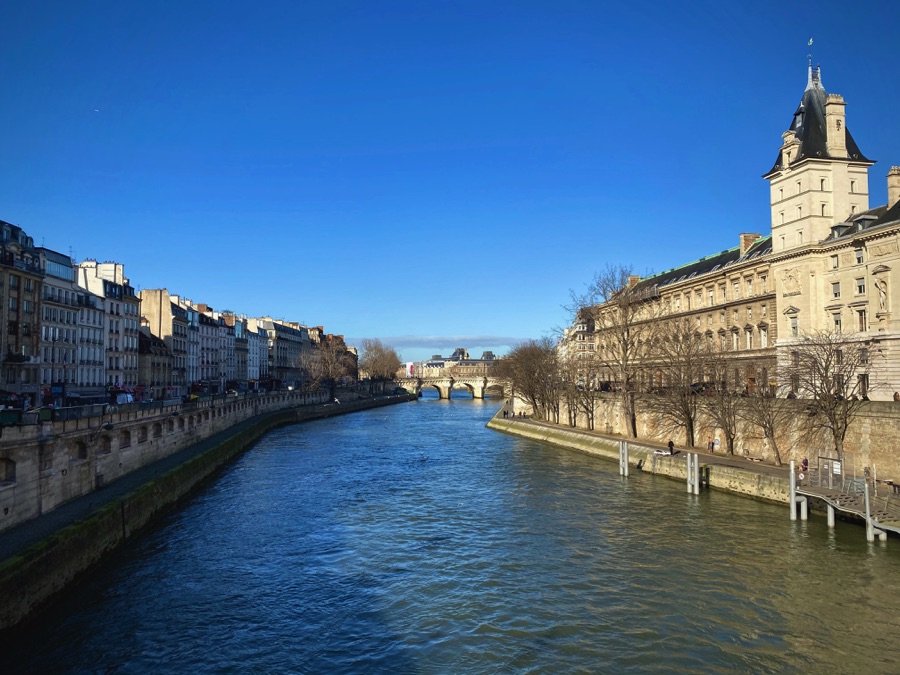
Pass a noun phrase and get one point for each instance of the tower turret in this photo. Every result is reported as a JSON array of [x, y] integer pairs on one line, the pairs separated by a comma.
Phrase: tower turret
[[820, 177]]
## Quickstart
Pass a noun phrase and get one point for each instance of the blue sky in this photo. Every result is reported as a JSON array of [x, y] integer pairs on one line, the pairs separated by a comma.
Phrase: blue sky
[[434, 174]]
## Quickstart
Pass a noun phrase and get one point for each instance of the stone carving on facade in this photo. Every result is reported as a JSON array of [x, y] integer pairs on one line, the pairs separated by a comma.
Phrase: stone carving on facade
[[791, 280], [882, 248]]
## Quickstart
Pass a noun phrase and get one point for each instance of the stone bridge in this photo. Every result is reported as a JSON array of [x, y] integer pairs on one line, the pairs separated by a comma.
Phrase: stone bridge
[[479, 385]]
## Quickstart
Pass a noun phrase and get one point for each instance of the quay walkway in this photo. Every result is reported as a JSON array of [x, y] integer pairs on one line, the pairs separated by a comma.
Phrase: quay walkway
[[847, 496]]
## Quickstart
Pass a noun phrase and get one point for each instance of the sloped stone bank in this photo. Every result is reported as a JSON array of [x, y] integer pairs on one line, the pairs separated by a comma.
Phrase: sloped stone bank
[[759, 482]]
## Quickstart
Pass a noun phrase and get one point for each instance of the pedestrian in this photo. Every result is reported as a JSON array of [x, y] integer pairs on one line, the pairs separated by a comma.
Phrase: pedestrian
[[671, 447], [711, 445]]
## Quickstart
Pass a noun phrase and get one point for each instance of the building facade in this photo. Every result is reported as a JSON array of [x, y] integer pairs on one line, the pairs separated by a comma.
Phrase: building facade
[[20, 294], [825, 267]]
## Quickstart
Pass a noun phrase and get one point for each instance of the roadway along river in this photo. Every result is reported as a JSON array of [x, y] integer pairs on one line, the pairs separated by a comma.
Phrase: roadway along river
[[411, 539]]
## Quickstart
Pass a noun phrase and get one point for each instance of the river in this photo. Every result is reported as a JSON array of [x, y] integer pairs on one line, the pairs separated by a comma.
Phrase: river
[[410, 539]]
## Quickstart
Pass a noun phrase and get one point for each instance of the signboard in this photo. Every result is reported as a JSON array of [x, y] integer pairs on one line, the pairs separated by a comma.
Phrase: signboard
[[836, 468], [56, 390]]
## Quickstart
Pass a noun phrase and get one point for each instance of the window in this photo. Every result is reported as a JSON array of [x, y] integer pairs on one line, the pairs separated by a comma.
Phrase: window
[[13, 281], [834, 262], [860, 286], [837, 322], [836, 289], [795, 331], [749, 314], [722, 287], [734, 316], [28, 285], [852, 186], [749, 286], [863, 385], [763, 311], [699, 298], [677, 304], [861, 322], [749, 339], [735, 342], [863, 355], [859, 256], [799, 232], [13, 305], [712, 299], [763, 337], [763, 282], [736, 288], [823, 209], [709, 319], [822, 185]]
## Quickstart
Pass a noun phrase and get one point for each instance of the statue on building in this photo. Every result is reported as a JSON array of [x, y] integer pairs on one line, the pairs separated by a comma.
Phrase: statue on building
[[881, 285]]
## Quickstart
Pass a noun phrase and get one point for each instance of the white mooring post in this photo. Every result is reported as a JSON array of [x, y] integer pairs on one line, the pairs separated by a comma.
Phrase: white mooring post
[[792, 491], [830, 515], [693, 474], [871, 530], [625, 458], [696, 474]]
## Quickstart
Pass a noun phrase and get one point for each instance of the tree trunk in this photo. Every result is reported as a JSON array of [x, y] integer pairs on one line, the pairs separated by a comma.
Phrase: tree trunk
[[775, 451], [689, 434]]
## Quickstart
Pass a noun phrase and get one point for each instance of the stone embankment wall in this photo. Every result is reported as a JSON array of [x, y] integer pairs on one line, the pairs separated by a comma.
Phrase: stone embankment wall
[[873, 439], [773, 488], [29, 579], [47, 464]]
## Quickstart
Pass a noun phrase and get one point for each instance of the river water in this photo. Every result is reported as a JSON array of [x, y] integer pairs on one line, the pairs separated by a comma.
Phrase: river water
[[410, 539]]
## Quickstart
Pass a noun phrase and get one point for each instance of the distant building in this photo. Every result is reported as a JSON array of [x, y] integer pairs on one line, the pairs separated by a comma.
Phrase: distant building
[[20, 288], [122, 307]]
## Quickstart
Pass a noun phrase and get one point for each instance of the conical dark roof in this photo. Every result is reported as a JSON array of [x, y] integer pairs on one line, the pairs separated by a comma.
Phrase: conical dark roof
[[808, 126]]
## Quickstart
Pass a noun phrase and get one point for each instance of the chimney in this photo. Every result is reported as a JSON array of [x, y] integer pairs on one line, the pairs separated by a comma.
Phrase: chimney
[[747, 240], [893, 186], [633, 280], [835, 133]]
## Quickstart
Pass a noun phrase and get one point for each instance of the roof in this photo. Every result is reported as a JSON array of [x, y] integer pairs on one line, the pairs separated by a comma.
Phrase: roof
[[808, 126], [710, 263]]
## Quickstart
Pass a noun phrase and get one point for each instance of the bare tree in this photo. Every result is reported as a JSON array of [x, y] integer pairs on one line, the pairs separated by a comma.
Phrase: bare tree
[[589, 385], [332, 362], [770, 414], [678, 358], [832, 372], [379, 361], [532, 368], [620, 314], [718, 401], [570, 383]]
